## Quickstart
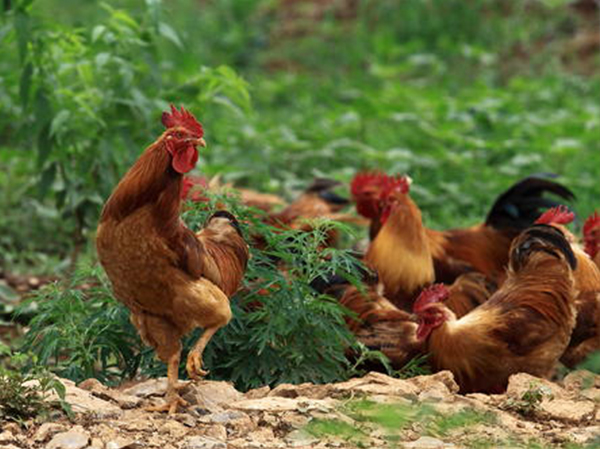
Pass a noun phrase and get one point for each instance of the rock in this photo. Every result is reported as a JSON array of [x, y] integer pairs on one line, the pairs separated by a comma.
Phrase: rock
[[258, 393], [173, 428], [223, 417], [198, 442], [427, 443], [209, 395], [300, 438], [585, 435], [261, 435], [215, 431], [47, 430], [563, 409], [122, 443], [522, 383], [151, 387], [281, 404], [96, 444], [581, 380], [442, 381], [7, 437], [125, 401], [76, 438], [371, 384], [82, 401]]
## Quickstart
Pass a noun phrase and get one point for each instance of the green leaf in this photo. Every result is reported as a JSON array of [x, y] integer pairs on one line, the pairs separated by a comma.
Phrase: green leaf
[[170, 34]]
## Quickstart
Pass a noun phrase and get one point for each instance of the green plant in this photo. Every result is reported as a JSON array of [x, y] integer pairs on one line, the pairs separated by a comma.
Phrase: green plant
[[282, 330], [529, 401], [25, 395]]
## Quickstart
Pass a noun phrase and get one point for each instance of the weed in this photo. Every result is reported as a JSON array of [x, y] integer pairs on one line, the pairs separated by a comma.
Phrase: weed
[[529, 401], [24, 396]]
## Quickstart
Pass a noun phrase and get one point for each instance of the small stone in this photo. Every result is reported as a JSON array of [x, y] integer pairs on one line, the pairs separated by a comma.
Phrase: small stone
[[522, 383], [216, 431], [581, 380], [122, 443], [151, 387], [6, 437], [427, 443], [187, 420], [76, 438], [585, 435], [174, 428], [47, 430], [258, 393], [443, 381], [210, 395], [198, 442], [300, 438], [568, 410], [261, 435], [125, 401], [96, 444], [223, 417]]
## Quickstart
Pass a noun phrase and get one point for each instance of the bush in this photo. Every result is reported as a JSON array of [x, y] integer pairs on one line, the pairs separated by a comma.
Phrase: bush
[[282, 330]]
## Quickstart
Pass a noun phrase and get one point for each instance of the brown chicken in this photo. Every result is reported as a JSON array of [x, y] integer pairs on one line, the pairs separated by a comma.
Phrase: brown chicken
[[524, 327], [381, 326], [194, 187], [171, 279], [591, 237], [400, 252], [585, 338], [484, 247]]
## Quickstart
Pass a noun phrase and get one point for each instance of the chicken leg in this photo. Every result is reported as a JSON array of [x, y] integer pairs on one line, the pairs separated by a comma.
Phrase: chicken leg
[[194, 360], [172, 398]]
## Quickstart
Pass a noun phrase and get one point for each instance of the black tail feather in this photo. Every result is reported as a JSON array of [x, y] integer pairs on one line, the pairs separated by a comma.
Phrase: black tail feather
[[546, 233], [519, 207]]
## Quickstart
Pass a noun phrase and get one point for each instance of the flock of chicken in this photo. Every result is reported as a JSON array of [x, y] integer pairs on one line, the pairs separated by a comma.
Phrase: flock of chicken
[[516, 293]]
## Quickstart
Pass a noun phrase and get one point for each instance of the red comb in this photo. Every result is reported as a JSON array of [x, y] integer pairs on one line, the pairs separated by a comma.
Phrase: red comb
[[434, 293], [184, 119], [557, 215], [395, 183], [592, 222], [367, 179], [590, 238]]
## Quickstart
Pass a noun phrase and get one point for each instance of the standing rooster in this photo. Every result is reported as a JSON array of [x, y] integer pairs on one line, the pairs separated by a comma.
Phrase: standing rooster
[[524, 327], [171, 279]]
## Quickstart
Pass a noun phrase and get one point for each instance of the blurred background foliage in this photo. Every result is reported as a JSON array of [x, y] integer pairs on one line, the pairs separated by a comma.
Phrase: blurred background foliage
[[466, 97]]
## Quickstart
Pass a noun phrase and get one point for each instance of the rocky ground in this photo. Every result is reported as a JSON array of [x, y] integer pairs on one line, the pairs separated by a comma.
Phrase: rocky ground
[[372, 411]]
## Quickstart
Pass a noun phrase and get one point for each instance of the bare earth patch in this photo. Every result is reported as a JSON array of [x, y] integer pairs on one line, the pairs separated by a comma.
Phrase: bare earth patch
[[372, 411]]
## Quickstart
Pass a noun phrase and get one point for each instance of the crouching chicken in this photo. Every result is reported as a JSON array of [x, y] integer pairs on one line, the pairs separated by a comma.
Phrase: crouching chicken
[[524, 327], [171, 279]]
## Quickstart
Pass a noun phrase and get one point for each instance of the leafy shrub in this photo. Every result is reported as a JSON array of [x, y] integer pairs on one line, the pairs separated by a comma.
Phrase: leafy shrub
[[24, 395], [282, 331]]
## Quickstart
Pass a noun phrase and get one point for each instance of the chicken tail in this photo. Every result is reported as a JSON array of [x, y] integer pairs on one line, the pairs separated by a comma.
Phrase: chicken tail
[[519, 206], [541, 238]]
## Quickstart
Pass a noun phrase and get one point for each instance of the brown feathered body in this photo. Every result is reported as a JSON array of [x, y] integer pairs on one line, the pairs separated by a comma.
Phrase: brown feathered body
[[401, 254], [524, 327], [467, 292], [381, 326], [171, 280], [586, 334]]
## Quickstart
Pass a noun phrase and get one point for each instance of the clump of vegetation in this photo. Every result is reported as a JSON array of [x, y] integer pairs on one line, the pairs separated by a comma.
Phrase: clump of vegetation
[[282, 330], [24, 395], [529, 401], [392, 419]]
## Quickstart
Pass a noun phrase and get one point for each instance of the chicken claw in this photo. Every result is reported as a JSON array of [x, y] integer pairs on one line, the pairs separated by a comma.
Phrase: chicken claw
[[194, 365], [173, 402]]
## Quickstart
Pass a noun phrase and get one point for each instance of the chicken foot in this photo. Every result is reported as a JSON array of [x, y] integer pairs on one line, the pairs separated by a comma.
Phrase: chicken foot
[[172, 398], [194, 360]]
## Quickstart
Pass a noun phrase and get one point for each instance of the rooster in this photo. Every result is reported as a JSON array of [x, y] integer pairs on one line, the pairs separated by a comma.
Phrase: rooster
[[591, 237], [400, 252], [585, 338], [194, 187], [524, 327], [482, 248], [171, 279]]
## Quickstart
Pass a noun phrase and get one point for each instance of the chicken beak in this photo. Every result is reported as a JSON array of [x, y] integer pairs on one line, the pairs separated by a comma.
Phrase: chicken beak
[[202, 142]]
